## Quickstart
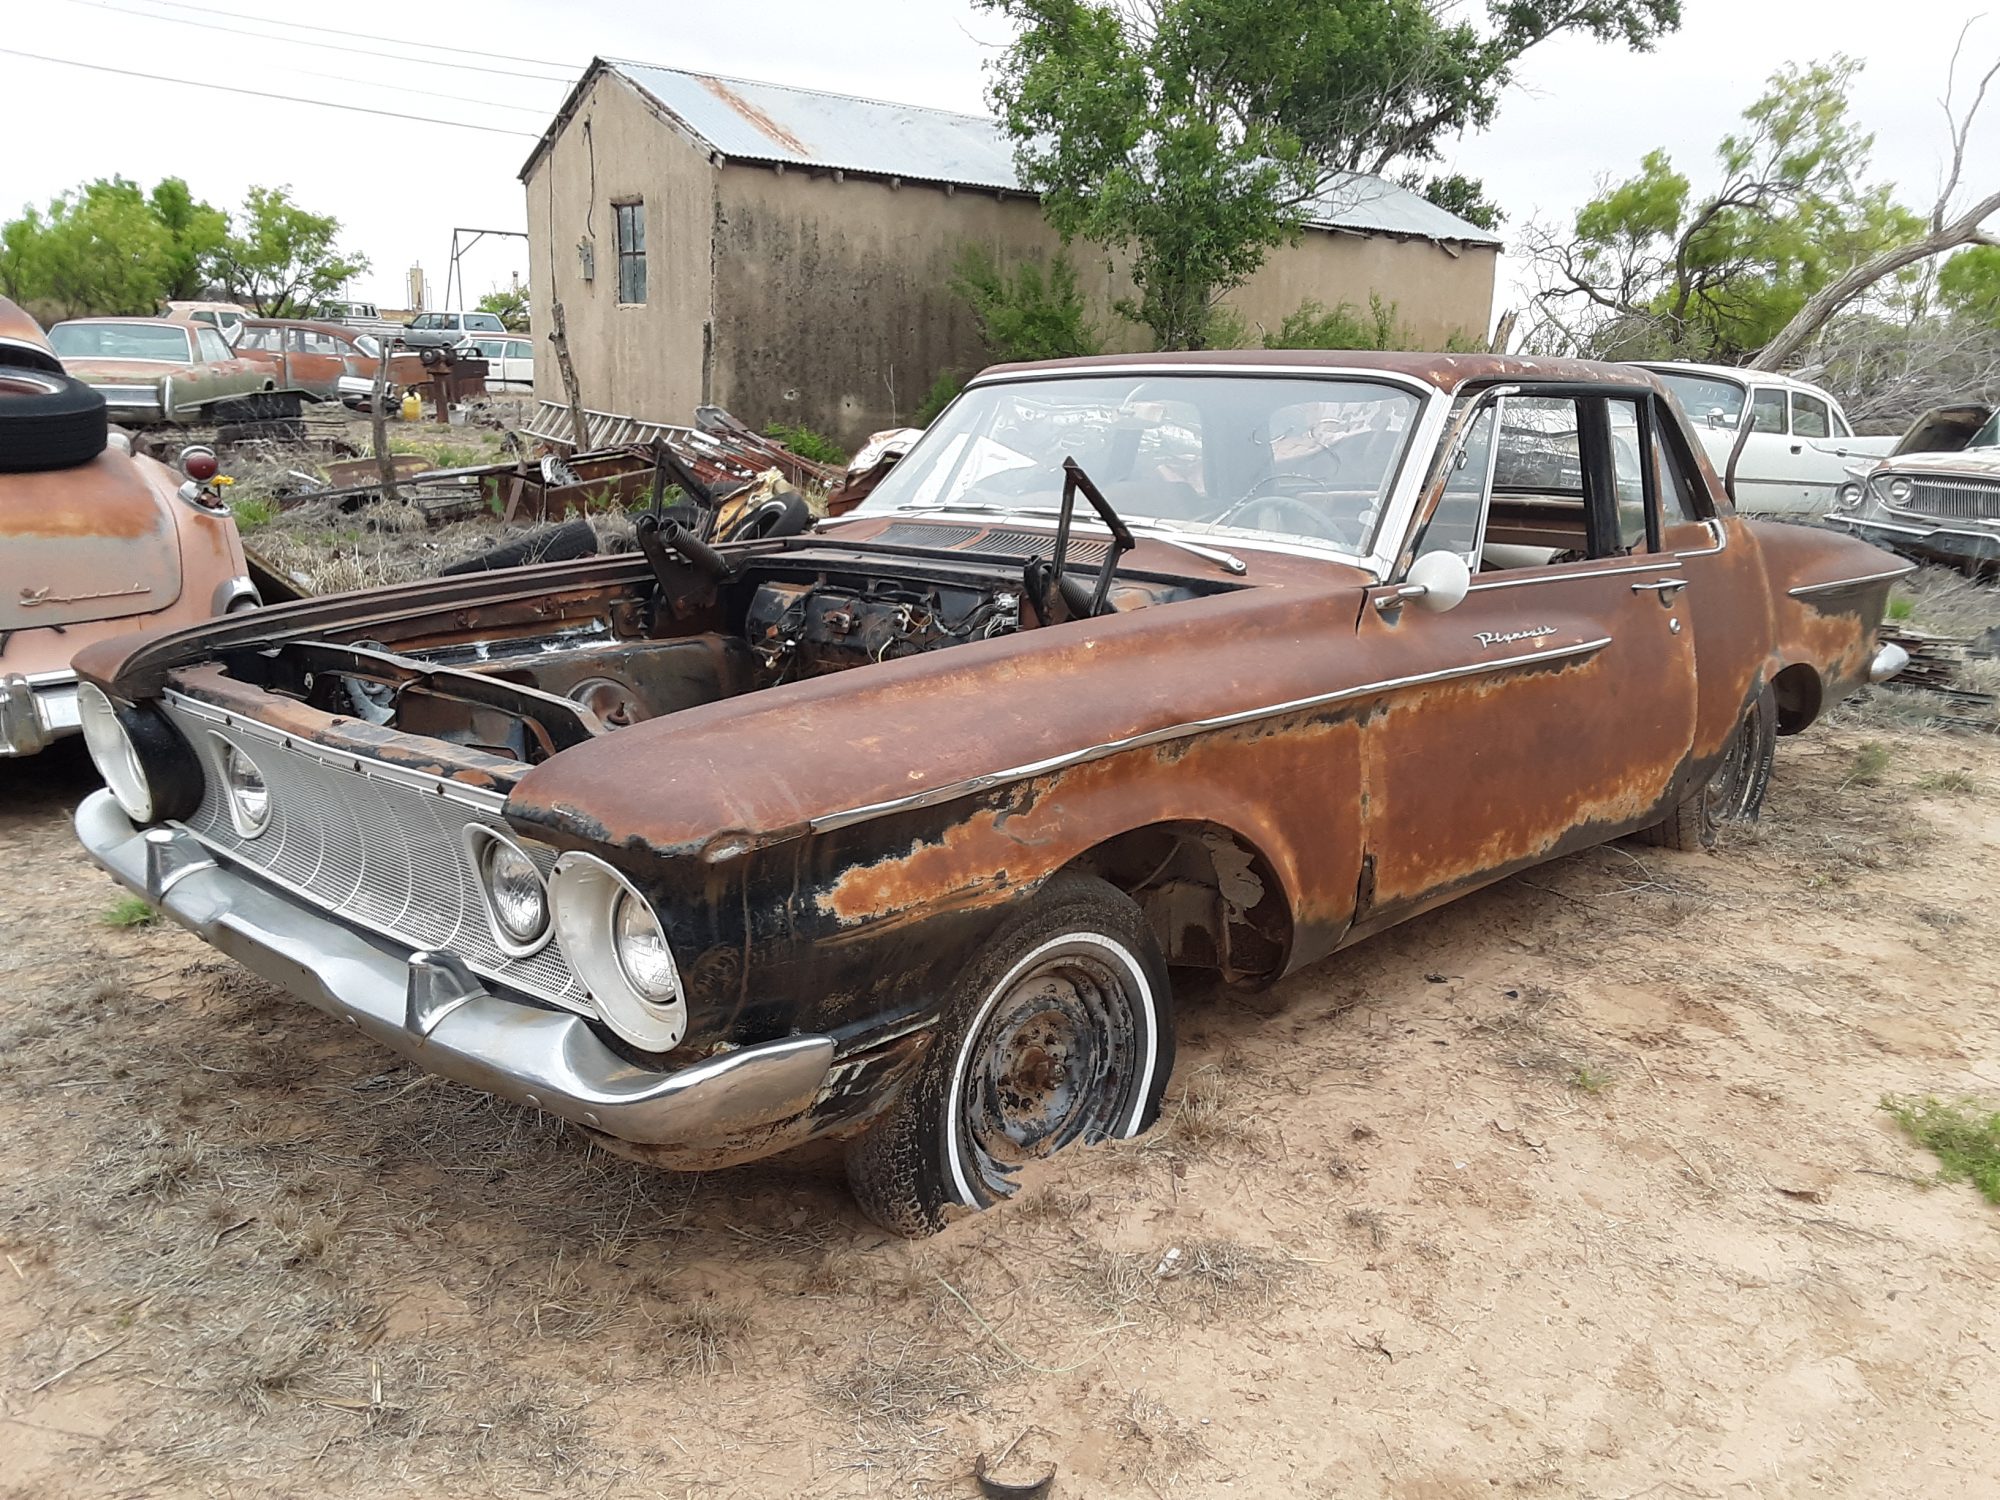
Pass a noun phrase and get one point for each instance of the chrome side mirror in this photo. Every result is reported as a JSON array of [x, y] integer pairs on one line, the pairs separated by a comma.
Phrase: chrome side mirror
[[1437, 582], [1717, 418]]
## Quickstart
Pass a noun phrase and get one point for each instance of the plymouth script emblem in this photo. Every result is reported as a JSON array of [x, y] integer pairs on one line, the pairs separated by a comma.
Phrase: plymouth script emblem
[[1505, 637]]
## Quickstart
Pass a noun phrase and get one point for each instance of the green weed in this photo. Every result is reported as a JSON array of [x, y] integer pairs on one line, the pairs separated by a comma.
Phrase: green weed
[[1963, 1135], [130, 911]]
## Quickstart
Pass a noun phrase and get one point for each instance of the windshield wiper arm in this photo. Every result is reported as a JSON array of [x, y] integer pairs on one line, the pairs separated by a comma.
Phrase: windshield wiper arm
[[1229, 562]]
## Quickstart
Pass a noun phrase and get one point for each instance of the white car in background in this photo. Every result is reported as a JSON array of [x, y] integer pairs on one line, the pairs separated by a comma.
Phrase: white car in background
[[1800, 446], [510, 361]]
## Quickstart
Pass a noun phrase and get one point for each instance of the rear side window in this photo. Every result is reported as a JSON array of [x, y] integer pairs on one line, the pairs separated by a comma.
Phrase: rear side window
[[1810, 417], [212, 346], [484, 323]]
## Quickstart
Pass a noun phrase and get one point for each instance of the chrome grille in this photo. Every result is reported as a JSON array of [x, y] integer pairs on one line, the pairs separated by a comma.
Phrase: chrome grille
[[384, 856], [1952, 499]]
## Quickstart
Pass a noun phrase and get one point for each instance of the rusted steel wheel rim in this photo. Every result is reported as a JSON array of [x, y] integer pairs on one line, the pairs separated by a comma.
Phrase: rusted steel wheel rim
[[1051, 1063], [1732, 792]]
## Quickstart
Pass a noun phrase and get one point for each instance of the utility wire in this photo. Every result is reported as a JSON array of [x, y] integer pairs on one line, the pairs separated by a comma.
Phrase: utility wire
[[425, 90], [208, 10], [206, 87], [289, 41]]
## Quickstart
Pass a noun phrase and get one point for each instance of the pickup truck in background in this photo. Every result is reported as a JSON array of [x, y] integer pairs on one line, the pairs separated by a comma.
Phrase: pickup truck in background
[[1800, 445], [359, 317]]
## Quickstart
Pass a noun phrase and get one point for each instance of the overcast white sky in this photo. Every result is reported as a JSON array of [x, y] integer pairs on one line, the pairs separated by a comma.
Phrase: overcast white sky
[[1580, 113]]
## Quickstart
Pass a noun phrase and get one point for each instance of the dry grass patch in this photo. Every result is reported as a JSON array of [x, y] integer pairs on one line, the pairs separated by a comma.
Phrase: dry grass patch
[[1200, 1280]]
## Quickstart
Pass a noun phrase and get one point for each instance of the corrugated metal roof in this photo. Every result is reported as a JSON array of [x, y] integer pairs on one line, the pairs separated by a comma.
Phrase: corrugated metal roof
[[769, 122]]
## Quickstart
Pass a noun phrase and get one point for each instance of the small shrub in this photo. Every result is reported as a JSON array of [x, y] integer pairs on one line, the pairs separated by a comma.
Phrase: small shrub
[[1316, 326], [130, 911], [807, 443], [1964, 1136], [1588, 1080], [1947, 783], [252, 511], [1029, 313], [944, 390], [1226, 329], [1902, 609], [1871, 764]]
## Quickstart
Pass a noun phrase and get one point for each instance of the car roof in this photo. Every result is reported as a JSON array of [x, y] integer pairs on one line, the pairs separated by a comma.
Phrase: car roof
[[314, 324], [1737, 373], [1447, 372]]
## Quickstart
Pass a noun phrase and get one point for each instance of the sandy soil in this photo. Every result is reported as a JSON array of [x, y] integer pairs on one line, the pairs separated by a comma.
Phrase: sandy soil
[[1581, 1187]]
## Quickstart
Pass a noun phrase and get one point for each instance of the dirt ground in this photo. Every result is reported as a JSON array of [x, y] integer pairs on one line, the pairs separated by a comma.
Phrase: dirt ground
[[1580, 1187]]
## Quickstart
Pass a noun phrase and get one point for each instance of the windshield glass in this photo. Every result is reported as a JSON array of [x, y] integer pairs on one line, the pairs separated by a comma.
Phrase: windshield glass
[[1702, 394], [1308, 459], [138, 340], [1989, 435]]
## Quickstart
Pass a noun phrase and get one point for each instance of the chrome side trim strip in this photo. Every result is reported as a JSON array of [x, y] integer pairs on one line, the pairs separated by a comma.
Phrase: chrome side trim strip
[[974, 784], [452, 791], [1807, 590], [1654, 566]]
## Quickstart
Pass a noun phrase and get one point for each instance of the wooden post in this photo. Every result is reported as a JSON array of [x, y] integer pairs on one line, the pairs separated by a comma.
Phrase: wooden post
[[385, 461], [559, 337]]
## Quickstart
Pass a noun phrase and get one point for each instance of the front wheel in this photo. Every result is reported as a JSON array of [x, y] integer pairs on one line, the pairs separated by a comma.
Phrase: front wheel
[[1058, 1033], [1734, 792]]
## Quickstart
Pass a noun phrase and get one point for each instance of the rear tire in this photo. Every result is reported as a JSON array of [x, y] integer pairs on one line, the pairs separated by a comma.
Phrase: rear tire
[[1058, 1033], [1734, 793]]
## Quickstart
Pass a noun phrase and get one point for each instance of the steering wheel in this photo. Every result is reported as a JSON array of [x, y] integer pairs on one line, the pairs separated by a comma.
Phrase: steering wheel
[[1305, 518]]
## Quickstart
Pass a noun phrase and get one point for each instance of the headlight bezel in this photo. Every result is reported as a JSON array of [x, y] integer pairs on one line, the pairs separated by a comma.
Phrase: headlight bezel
[[585, 896], [148, 767], [115, 754], [1896, 489], [482, 845]]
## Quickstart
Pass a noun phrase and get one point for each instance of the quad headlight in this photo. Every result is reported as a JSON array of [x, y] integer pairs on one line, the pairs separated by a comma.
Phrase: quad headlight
[[511, 885], [619, 951], [248, 793], [1899, 490]]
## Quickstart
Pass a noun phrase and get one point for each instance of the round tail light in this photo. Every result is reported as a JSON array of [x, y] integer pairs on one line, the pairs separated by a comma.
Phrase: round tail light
[[200, 463]]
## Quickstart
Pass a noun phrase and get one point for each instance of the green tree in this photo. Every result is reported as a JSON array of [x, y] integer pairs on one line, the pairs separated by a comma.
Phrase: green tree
[[1969, 284], [509, 305], [282, 258], [195, 231], [1789, 231], [1456, 193], [1030, 313], [1200, 134], [97, 250]]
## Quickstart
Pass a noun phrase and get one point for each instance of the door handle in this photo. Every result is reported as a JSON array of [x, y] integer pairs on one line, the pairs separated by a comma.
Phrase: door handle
[[1798, 447], [1666, 588]]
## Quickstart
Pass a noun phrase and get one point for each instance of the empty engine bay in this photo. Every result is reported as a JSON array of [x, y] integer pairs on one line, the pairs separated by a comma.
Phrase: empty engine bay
[[528, 692]]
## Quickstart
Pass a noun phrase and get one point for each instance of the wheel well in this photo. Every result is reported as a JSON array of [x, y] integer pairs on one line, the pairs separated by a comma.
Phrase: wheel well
[[1798, 691], [1211, 896]]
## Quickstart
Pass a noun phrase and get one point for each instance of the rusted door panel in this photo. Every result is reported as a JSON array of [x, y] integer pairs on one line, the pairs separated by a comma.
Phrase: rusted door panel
[[1568, 722], [1728, 614]]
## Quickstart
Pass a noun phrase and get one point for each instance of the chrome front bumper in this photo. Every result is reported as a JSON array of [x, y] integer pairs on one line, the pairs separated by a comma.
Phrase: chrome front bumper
[[431, 1009], [1959, 543], [36, 710]]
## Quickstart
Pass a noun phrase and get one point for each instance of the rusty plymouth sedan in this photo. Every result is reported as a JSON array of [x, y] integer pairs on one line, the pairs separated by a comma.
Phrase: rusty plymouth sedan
[[894, 832]]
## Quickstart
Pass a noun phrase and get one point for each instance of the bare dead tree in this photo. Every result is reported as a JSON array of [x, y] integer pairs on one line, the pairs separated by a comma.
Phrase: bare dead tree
[[385, 461], [1948, 231]]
